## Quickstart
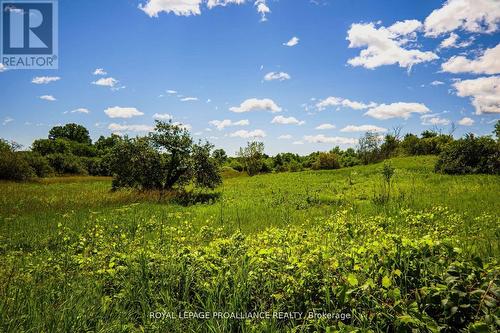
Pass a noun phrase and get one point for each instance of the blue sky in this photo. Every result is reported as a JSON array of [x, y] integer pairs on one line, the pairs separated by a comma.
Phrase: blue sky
[[223, 68]]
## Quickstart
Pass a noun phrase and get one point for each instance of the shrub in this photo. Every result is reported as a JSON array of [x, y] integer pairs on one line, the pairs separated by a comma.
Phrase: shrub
[[369, 148], [470, 155], [38, 163], [12, 164], [326, 161], [46, 146], [66, 164]]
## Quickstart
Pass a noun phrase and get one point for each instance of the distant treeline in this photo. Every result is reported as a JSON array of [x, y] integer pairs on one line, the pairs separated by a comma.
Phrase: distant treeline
[[70, 150]]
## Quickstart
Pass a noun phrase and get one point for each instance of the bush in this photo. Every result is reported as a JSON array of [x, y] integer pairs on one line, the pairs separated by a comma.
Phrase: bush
[[326, 161], [38, 163], [470, 155], [12, 164], [66, 164]]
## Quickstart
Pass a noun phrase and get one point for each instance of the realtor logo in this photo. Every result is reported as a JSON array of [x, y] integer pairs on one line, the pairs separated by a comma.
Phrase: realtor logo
[[29, 34]]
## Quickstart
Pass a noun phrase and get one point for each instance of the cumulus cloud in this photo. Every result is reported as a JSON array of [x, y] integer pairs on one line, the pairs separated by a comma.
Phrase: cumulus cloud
[[469, 15], [466, 121], [117, 128], [183, 126], [221, 124], [100, 71], [120, 112], [325, 127], [193, 7], [280, 76], [286, 121], [435, 120], [338, 101], [49, 98], [336, 140], [171, 92], [285, 137], [106, 82], [45, 79], [396, 110], [248, 134], [487, 63], [363, 128], [254, 104], [484, 93], [452, 42], [385, 46], [292, 42], [162, 116]]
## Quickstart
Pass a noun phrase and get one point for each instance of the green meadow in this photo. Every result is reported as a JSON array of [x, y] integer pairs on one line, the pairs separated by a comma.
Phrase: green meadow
[[77, 257]]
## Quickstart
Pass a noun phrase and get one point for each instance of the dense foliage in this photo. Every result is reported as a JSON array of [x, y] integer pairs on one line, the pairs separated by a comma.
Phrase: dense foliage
[[166, 158]]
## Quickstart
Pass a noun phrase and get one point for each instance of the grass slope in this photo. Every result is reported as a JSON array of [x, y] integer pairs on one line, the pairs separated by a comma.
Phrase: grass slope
[[76, 257]]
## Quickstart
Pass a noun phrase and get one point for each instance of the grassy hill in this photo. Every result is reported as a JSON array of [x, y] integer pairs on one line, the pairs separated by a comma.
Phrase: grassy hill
[[77, 257]]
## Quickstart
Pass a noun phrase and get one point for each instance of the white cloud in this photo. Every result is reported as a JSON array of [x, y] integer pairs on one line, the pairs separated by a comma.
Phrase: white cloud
[[2, 68], [162, 116], [338, 101], [45, 79], [330, 139], [396, 110], [487, 63], [80, 110], [285, 137], [254, 104], [119, 112], [221, 124], [100, 71], [183, 126], [189, 99], [436, 83], [385, 46], [484, 93], [286, 121], [106, 82], [452, 41], [297, 143], [117, 128], [7, 120], [193, 7], [292, 42], [262, 9], [435, 120], [171, 92], [363, 128], [466, 121], [325, 127], [280, 76], [248, 134], [49, 98], [469, 15]]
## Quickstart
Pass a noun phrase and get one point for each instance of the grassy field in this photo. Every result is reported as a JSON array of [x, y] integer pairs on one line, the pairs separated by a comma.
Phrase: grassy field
[[76, 257]]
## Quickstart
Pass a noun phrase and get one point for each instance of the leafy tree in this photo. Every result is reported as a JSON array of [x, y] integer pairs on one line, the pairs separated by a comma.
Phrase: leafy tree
[[220, 156], [167, 158], [252, 156], [496, 131], [71, 132], [47, 146], [12, 165], [470, 155], [326, 161], [206, 169], [104, 145], [389, 147], [369, 148]]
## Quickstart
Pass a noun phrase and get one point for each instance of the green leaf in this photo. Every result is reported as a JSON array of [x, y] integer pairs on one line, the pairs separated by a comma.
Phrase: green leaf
[[353, 281], [386, 282]]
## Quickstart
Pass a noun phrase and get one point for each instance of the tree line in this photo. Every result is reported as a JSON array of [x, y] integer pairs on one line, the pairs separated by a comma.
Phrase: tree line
[[169, 157]]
